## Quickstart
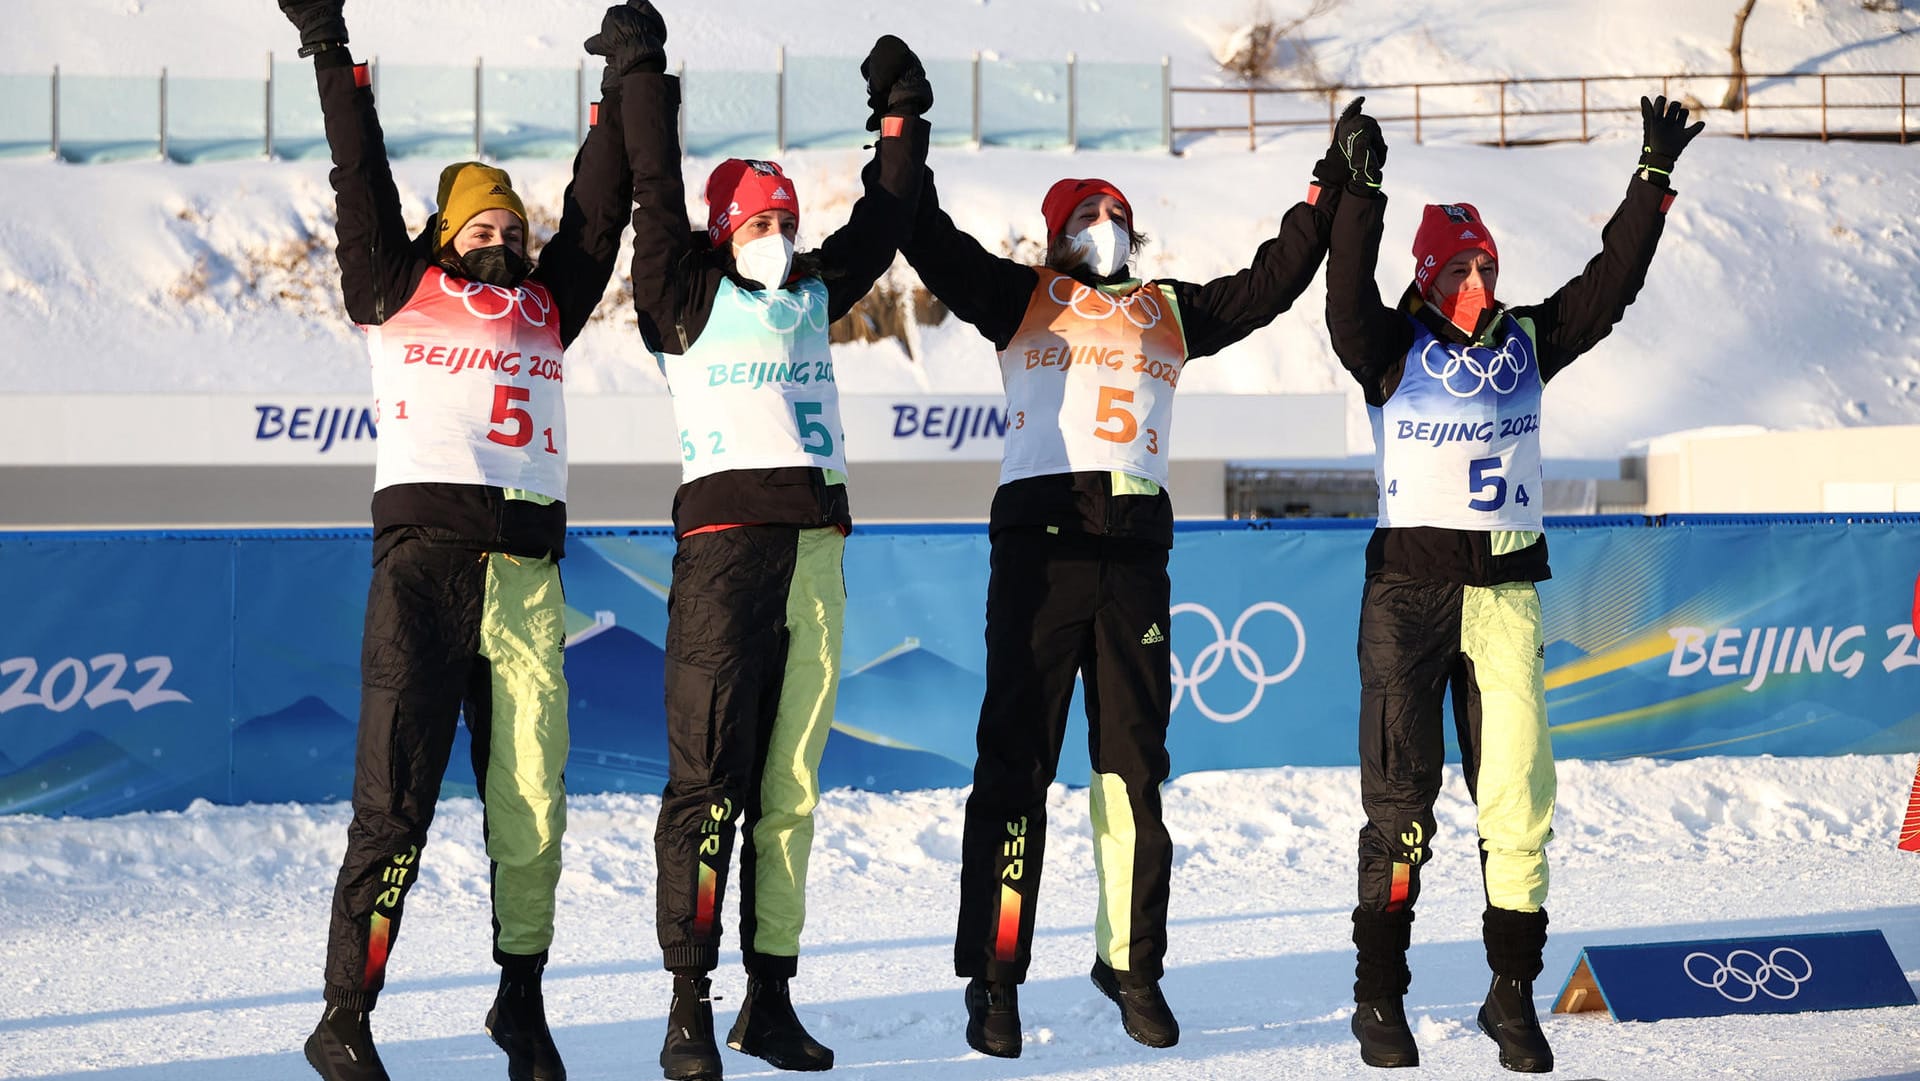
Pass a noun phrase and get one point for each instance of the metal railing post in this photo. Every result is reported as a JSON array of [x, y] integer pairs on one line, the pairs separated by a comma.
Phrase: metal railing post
[[976, 100], [479, 136], [1903, 110], [1823, 108], [580, 103], [1166, 102], [163, 114], [1583, 112], [1503, 114], [267, 141], [53, 128], [1417, 140], [1073, 108], [1250, 114], [780, 99]]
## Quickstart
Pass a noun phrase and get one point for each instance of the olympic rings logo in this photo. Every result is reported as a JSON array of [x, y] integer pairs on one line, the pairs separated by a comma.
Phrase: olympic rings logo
[[1140, 307], [1744, 975], [784, 310], [1247, 661], [1500, 370], [491, 302]]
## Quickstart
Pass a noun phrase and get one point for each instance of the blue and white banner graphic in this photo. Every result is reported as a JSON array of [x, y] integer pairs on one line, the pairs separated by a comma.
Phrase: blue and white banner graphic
[[142, 671]]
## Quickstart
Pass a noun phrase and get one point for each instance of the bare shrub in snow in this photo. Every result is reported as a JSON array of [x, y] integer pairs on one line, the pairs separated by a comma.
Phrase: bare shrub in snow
[[1267, 43]]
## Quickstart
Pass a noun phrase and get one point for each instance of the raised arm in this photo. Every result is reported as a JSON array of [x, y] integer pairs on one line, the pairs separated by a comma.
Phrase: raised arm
[[1585, 310], [857, 253], [578, 259], [1227, 309], [986, 290], [1370, 338], [378, 266]]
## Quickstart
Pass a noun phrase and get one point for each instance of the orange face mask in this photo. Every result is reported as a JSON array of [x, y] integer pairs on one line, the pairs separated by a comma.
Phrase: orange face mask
[[1464, 308]]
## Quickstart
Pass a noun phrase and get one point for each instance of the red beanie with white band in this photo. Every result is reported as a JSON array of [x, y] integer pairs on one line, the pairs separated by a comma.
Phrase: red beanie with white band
[[740, 188], [1446, 230]]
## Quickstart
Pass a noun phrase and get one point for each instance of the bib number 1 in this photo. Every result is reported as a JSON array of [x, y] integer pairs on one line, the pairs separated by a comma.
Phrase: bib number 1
[[512, 425]]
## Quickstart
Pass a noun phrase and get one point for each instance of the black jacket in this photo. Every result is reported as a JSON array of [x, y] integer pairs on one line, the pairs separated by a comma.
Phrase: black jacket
[[993, 294], [1372, 340], [677, 274], [381, 266]]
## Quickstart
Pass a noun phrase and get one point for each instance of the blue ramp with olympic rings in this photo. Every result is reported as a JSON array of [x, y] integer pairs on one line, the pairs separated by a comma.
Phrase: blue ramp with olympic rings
[[1653, 981]]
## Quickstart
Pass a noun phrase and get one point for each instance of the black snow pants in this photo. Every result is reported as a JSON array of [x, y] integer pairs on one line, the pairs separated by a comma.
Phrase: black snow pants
[[1061, 605]]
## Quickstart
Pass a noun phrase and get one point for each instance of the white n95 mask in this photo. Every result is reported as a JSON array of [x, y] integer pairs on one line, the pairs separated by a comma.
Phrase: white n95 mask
[[765, 260], [1103, 247]]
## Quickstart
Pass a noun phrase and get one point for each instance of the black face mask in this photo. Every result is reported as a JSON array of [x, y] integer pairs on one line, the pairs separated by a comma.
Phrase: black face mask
[[496, 265]]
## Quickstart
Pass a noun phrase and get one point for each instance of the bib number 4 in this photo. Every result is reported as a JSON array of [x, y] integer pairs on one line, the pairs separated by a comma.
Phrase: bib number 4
[[1489, 487]]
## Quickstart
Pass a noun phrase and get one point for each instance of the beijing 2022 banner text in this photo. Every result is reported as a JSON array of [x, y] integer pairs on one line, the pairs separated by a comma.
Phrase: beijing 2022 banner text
[[143, 671]]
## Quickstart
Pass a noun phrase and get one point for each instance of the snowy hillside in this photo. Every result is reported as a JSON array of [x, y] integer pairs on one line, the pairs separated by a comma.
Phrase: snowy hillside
[[1783, 295], [187, 946]]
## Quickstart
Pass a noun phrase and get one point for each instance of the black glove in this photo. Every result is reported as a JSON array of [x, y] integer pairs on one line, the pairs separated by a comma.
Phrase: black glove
[[1665, 134], [1358, 151], [896, 81], [320, 22], [633, 38]]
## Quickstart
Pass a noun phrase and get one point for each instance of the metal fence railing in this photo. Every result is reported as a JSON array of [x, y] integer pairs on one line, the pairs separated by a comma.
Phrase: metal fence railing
[[483, 110], [1510, 112], [489, 111]]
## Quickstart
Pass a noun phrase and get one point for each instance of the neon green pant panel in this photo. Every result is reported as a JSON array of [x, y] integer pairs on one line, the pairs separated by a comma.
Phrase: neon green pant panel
[[522, 636], [1500, 632], [1113, 861], [790, 785]]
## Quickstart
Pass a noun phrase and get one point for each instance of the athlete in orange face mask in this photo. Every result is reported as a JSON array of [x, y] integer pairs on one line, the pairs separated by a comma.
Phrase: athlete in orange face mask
[[1453, 380]]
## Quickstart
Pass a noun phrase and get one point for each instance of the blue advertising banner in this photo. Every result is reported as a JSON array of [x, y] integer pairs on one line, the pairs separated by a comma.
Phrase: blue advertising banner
[[142, 671], [1654, 981]]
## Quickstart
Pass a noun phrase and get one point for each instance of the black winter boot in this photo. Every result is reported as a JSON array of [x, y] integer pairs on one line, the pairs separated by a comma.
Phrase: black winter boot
[[1385, 1039], [341, 1047], [1508, 1017], [993, 1018], [767, 1028], [689, 1053], [1144, 1012], [518, 1024]]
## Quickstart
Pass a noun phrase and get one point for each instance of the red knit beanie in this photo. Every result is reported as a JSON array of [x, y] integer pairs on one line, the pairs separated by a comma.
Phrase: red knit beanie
[[1068, 194], [1446, 230], [738, 189]]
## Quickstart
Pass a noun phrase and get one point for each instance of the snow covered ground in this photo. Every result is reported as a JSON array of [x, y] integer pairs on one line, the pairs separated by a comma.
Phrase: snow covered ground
[[187, 947]]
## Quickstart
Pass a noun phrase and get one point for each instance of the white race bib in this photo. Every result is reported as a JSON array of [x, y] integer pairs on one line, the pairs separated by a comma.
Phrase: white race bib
[[467, 380], [756, 389], [1090, 380], [1459, 442]]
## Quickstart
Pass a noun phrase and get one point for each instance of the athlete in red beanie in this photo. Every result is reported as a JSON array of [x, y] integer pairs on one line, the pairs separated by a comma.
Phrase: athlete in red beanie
[[1453, 382], [1455, 263]]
